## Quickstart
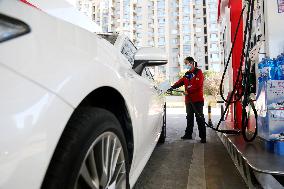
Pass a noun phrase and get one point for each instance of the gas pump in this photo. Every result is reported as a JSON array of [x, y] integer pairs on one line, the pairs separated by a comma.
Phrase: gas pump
[[258, 69], [238, 59], [266, 48]]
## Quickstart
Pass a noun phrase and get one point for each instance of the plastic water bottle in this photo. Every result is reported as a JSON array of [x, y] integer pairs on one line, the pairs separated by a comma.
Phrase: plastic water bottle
[[260, 70], [275, 60], [280, 67], [265, 69], [270, 64]]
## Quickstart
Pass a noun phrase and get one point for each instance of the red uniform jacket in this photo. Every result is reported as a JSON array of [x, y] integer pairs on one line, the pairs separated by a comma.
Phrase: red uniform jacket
[[193, 84]]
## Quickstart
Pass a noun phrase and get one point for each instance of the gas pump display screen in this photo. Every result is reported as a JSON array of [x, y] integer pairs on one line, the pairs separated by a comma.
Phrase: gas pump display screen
[[280, 6]]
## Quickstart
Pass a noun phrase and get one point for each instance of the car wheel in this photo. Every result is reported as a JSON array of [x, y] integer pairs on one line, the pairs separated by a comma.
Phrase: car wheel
[[163, 135], [91, 153]]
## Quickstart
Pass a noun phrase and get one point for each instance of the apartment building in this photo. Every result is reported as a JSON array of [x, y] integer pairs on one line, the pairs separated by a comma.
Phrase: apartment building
[[182, 27], [207, 51]]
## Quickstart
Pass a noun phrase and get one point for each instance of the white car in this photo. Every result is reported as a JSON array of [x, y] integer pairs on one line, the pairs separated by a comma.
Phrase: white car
[[74, 112]]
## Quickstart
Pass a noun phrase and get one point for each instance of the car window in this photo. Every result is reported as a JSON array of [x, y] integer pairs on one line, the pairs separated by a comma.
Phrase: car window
[[129, 50], [109, 37]]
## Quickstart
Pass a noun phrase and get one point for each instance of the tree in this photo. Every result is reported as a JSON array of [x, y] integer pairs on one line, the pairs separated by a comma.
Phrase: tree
[[211, 83]]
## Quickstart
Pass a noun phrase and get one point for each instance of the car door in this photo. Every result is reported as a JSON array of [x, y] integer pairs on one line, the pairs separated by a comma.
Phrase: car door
[[149, 114], [156, 105], [147, 105]]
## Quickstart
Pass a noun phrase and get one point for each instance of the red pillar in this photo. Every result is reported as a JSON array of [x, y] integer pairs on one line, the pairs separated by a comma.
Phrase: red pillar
[[236, 9]]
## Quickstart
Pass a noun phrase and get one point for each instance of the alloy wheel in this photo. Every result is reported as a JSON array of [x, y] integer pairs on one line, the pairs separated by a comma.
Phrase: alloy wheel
[[104, 165]]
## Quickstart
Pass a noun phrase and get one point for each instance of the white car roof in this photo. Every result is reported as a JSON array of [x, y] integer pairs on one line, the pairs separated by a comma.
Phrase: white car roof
[[66, 11]]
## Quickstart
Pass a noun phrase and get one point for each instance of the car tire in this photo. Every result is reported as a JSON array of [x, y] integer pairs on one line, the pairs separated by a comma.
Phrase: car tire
[[163, 135], [91, 153]]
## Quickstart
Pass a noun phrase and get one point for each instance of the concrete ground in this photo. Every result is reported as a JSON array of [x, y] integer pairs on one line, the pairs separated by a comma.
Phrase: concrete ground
[[186, 164]]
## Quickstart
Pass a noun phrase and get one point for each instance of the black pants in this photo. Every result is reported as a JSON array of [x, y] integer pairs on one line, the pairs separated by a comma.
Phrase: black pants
[[190, 111]]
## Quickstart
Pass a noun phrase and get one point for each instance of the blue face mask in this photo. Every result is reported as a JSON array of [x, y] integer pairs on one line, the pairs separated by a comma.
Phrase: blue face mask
[[187, 67]]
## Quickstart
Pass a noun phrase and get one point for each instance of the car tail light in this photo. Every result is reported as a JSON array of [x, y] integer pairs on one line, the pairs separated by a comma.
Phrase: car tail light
[[11, 28]]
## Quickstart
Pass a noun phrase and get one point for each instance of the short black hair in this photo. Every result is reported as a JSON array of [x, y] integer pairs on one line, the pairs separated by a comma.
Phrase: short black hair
[[190, 59]]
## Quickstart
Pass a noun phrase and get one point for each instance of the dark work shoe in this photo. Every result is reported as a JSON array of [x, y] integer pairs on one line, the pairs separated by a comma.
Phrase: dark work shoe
[[203, 140], [186, 137]]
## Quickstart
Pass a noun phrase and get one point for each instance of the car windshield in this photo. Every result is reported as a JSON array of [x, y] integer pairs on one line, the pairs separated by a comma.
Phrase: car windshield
[[128, 50], [109, 37]]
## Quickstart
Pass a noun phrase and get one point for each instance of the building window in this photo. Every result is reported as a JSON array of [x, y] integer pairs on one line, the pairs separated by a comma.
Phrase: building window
[[213, 6], [213, 37], [175, 50], [186, 10], [185, 22], [161, 13], [197, 30], [198, 2], [161, 20], [213, 27], [214, 57], [186, 39], [198, 12], [174, 23], [186, 48], [216, 67], [198, 20], [161, 41], [161, 4], [161, 31], [174, 31], [186, 29], [139, 35], [186, 18], [213, 17], [214, 47]]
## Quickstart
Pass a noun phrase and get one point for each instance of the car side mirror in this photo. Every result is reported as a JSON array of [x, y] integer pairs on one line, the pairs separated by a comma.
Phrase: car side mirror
[[148, 56]]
